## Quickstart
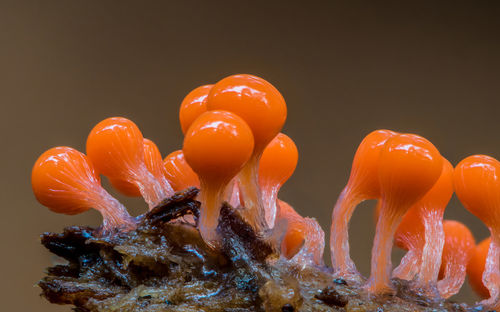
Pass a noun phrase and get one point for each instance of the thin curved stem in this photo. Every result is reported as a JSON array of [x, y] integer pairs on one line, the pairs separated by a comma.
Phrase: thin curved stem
[[431, 253], [342, 263], [249, 186], [269, 198], [115, 215], [454, 277], [381, 263], [211, 199], [491, 275], [150, 188], [409, 266]]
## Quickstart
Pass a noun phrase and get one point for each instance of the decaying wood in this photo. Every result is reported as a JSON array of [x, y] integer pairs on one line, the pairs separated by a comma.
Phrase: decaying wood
[[164, 265]]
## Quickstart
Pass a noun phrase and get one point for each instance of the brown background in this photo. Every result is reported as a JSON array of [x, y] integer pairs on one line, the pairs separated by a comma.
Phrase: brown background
[[344, 68]]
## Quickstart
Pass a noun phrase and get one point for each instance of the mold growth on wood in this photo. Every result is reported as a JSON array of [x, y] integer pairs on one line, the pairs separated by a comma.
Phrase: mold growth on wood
[[164, 265]]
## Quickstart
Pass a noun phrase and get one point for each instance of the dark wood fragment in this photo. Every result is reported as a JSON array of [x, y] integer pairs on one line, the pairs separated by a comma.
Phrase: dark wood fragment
[[331, 297], [174, 207]]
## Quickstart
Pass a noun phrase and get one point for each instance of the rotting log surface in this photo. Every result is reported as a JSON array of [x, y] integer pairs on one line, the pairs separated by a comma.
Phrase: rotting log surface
[[164, 265]]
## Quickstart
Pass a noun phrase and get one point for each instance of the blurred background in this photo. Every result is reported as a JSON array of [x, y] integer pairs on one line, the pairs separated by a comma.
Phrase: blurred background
[[345, 68]]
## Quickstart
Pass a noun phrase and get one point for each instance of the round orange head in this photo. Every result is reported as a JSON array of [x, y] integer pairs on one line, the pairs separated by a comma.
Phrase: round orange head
[[278, 161], [63, 179], [193, 105], [154, 164], [411, 231], [475, 268], [178, 172], [439, 195], [217, 146], [116, 147], [125, 187], [255, 100], [292, 242], [153, 159], [409, 166], [295, 235], [277, 164], [458, 245], [364, 171], [477, 184]]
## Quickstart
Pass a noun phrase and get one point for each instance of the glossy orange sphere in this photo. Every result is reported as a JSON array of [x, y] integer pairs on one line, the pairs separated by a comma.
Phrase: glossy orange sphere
[[193, 105], [178, 172], [125, 187], [217, 146], [364, 172], [63, 180], [436, 199], [292, 242], [459, 243], [477, 184], [116, 147], [154, 164], [279, 160], [475, 268], [153, 159], [439, 195], [409, 167], [295, 235], [255, 100]]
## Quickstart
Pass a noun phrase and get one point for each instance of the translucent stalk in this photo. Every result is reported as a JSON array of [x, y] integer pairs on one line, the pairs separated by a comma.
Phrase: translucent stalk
[[491, 275], [165, 185], [458, 249], [381, 263], [233, 194], [431, 253], [454, 277], [115, 215], [342, 264], [151, 189], [408, 268], [270, 196], [249, 187], [211, 199], [313, 249]]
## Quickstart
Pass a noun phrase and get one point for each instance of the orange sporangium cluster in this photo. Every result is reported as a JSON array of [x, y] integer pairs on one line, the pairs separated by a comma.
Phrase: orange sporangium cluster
[[64, 180], [362, 185], [224, 122], [234, 152], [277, 165], [421, 233], [118, 150], [408, 167], [263, 108], [396, 169], [217, 146], [457, 252], [477, 184], [453, 256], [413, 184]]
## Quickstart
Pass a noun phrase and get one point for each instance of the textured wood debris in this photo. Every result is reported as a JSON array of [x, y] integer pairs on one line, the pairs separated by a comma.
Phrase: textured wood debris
[[164, 265]]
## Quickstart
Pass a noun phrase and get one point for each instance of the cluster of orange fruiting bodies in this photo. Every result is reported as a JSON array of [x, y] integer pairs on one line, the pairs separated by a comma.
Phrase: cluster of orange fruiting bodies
[[233, 151], [413, 184]]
